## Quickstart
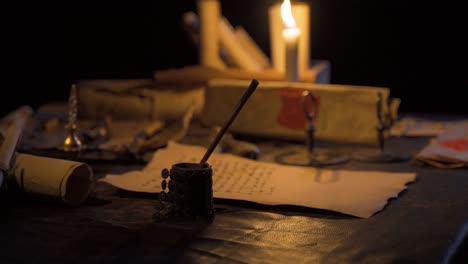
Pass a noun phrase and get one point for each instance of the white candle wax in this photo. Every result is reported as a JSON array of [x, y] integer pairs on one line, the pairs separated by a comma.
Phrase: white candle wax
[[291, 40], [301, 14], [291, 34]]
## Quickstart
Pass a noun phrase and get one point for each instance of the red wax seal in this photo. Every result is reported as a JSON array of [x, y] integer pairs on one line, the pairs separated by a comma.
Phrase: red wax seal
[[291, 114], [459, 144]]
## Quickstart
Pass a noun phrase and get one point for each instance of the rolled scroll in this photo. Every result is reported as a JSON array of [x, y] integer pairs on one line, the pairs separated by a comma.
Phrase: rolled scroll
[[11, 130], [252, 48], [239, 56], [69, 181], [210, 15], [137, 100], [346, 114]]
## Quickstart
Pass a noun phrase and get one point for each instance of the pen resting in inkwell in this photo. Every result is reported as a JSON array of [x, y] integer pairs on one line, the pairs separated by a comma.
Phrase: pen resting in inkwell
[[190, 185]]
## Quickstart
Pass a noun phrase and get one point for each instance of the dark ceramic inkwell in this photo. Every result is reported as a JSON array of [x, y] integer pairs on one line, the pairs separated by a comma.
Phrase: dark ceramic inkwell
[[188, 187]]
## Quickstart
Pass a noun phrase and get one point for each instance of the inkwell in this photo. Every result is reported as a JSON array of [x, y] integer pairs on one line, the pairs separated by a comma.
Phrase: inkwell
[[188, 187]]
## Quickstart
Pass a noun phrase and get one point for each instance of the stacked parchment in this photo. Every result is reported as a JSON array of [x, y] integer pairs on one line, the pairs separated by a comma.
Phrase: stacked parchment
[[449, 149], [346, 113]]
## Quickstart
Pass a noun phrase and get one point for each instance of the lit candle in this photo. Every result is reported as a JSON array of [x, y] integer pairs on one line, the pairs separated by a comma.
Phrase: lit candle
[[291, 34], [301, 14]]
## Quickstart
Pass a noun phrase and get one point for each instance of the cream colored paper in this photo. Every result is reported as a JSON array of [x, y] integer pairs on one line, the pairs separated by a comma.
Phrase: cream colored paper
[[358, 193], [411, 127], [252, 48], [450, 148], [69, 181], [301, 14], [137, 100], [124, 133], [236, 53], [347, 113], [11, 129]]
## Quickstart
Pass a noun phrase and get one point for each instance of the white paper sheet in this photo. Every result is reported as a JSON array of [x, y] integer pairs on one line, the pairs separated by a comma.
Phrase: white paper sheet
[[411, 127], [449, 149], [358, 193]]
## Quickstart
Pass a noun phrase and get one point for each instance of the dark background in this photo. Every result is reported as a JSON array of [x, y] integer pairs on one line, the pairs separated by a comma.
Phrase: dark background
[[413, 47]]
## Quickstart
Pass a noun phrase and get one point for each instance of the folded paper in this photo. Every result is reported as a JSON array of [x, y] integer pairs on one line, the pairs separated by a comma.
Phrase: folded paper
[[449, 149]]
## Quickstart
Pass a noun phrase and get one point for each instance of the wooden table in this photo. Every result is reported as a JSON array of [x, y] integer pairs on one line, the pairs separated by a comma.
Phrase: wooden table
[[425, 224]]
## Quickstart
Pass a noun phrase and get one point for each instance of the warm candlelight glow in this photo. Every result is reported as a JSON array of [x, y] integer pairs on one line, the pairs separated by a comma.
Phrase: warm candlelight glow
[[286, 15], [291, 35], [289, 30]]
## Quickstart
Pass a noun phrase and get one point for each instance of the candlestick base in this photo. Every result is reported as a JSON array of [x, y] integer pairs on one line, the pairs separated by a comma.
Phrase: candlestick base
[[315, 159], [71, 142]]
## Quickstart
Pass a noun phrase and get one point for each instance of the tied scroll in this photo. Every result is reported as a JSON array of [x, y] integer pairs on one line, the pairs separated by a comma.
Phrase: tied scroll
[[70, 182], [346, 114], [137, 100]]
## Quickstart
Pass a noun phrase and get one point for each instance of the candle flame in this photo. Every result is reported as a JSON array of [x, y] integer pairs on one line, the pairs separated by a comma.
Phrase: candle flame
[[286, 15]]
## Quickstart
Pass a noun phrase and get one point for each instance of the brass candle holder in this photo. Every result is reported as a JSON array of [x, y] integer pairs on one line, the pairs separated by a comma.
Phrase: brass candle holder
[[71, 142]]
